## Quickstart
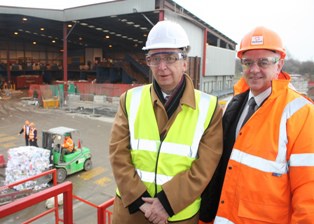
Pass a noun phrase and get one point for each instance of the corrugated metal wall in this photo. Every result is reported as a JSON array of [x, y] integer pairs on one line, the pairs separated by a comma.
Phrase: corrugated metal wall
[[219, 61], [220, 70]]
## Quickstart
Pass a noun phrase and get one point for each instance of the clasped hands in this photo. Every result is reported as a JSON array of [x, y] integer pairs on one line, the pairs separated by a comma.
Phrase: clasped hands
[[154, 211]]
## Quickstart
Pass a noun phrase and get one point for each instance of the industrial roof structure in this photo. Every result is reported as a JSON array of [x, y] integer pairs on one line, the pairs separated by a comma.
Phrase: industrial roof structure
[[114, 25]]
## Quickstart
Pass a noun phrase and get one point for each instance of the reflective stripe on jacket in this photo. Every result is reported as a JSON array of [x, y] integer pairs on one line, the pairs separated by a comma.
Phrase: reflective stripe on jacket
[[269, 177], [32, 134], [157, 161]]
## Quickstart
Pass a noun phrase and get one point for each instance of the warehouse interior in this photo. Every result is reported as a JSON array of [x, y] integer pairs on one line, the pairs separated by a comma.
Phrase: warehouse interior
[[106, 47]]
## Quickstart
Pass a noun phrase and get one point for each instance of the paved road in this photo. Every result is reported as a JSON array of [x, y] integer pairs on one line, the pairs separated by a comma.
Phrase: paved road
[[96, 185]]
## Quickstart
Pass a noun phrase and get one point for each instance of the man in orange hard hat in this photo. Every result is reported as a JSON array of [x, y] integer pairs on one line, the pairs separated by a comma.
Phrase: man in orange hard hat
[[25, 129], [267, 169]]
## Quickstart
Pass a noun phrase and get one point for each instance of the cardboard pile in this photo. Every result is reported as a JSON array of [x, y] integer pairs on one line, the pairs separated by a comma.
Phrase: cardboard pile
[[25, 162]]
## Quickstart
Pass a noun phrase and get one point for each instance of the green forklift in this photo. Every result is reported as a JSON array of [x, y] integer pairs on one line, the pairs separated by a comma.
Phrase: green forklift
[[79, 159]]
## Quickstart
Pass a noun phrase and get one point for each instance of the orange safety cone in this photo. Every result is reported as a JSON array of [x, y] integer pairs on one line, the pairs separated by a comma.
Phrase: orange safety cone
[[2, 161]]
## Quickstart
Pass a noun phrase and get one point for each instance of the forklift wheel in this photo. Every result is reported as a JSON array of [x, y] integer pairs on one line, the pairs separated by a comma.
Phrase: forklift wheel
[[87, 164], [61, 175]]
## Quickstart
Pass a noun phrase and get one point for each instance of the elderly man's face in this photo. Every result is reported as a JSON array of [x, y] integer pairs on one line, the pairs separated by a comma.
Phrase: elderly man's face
[[260, 67], [167, 66]]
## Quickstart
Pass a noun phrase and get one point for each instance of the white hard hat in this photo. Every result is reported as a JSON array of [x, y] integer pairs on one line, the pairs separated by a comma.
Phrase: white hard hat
[[166, 34]]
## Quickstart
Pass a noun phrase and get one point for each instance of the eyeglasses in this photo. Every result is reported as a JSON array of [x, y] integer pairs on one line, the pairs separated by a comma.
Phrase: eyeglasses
[[168, 57], [261, 62]]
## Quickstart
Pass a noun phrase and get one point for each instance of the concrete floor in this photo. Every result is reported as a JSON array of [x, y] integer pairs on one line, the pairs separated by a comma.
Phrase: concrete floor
[[96, 185]]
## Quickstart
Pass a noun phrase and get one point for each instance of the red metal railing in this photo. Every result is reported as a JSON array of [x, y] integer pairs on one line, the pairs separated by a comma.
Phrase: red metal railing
[[103, 214], [35, 198]]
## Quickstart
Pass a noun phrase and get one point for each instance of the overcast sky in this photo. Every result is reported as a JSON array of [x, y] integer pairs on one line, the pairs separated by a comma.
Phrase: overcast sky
[[293, 20]]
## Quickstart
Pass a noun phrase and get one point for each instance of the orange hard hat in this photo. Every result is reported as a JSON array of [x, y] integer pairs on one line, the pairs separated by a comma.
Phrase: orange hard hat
[[262, 38]]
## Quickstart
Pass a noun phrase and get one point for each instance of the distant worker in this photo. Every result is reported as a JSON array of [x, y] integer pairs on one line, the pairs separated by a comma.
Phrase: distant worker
[[33, 135], [26, 130], [267, 168], [67, 146]]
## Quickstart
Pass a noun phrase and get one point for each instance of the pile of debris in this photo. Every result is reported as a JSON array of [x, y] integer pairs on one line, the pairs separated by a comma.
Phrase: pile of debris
[[24, 162]]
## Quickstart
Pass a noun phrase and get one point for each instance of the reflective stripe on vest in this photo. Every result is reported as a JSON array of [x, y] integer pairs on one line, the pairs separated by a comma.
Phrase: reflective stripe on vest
[[179, 148], [221, 220], [281, 165]]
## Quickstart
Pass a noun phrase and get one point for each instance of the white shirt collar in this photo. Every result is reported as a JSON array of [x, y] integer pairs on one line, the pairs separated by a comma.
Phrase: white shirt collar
[[259, 99]]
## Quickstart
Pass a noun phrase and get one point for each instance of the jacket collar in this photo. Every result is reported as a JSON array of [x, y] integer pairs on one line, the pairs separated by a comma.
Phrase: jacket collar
[[186, 97]]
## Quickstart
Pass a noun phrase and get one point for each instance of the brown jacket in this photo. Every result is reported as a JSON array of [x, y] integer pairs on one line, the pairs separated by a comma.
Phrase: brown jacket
[[185, 187]]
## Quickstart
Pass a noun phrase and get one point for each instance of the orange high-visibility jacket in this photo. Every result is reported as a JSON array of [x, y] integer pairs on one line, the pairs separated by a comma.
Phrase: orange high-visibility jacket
[[270, 173], [68, 144], [32, 134]]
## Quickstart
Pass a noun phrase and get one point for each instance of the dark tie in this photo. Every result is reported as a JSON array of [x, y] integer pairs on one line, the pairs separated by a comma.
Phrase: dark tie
[[251, 110]]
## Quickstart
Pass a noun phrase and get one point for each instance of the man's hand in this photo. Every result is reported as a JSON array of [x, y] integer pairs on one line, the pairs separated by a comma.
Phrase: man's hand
[[155, 213]]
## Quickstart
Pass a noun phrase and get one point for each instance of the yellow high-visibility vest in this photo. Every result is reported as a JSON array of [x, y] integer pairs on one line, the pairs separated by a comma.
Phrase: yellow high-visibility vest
[[156, 161]]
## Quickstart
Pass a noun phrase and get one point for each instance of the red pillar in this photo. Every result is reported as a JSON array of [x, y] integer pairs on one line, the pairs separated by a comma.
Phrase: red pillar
[[8, 63], [65, 53], [161, 15], [204, 52]]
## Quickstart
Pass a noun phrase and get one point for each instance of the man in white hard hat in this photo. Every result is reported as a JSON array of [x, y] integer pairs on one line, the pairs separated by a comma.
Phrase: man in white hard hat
[[166, 140]]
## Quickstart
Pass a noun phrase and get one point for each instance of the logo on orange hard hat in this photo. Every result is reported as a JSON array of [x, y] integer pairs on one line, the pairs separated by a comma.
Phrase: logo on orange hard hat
[[257, 40]]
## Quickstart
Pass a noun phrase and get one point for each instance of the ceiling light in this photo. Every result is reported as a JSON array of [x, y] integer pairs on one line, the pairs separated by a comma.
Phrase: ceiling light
[[42, 29], [34, 42], [69, 25], [24, 19], [136, 25], [124, 20], [130, 23], [107, 36], [84, 24], [110, 46], [53, 41], [98, 28], [16, 33], [91, 26]]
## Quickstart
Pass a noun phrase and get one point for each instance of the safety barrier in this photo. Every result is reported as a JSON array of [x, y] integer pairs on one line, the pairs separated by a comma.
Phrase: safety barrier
[[103, 212], [23, 203], [57, 95]]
